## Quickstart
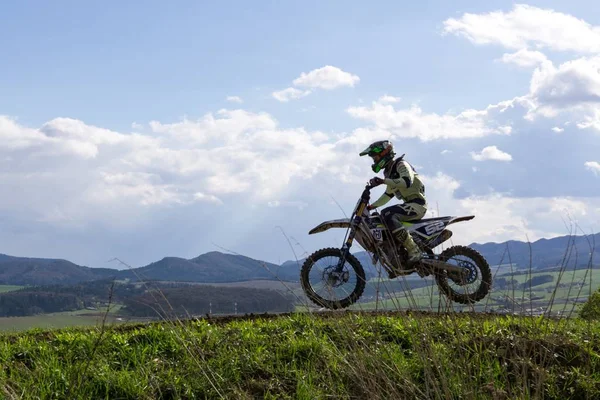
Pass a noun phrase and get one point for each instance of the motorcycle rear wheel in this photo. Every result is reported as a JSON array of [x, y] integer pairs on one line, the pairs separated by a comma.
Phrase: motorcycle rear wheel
[[350, 296], [479, 268]]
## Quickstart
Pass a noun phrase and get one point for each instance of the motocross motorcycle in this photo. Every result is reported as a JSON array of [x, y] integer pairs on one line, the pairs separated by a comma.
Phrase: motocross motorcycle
[[466, 281]]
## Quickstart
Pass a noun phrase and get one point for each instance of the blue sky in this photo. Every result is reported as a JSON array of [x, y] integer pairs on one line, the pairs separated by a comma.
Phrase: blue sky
[[71, 69]]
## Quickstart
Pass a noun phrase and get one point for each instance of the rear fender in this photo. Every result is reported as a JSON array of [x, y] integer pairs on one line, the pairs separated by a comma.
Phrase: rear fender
[[334, 223], [429, 228], [460, 219]]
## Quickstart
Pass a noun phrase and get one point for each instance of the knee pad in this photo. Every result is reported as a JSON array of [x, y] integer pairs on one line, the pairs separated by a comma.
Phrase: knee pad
[[396, 221], [401, 234]]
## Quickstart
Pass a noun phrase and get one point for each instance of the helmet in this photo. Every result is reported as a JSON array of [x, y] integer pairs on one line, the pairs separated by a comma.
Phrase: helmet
[[382, 152]]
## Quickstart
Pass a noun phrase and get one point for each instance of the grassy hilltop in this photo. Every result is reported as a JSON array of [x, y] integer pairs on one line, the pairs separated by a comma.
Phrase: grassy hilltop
[[309, 356]]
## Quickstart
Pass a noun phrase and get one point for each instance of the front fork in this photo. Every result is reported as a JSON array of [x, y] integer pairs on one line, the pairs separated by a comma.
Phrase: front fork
[[356, 220]]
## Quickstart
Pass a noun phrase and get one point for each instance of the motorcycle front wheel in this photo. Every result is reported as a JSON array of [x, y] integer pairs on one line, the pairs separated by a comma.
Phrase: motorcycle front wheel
[[327, 287]]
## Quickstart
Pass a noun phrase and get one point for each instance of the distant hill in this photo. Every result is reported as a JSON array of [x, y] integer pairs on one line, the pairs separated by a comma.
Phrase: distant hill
[[545, 253], [216, 267], [212, 267], [45, 271]]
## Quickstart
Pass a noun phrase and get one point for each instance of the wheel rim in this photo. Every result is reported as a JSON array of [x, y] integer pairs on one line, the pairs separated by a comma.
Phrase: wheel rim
[[469, 281], [329, 285]]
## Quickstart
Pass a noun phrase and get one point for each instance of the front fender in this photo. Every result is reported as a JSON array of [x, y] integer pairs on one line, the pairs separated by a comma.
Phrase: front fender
[[334, 223]]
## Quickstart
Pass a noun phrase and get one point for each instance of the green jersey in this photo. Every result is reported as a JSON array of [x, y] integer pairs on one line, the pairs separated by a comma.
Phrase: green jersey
[[403, 182]]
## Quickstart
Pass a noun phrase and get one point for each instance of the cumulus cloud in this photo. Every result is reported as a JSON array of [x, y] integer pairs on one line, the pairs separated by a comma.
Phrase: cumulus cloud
[[524, 58], [574, 83], [235, 99], [300, 205], [234, 161], [327, 78], [491, 153], [227, 155], [593, 166], [527, 26], [500, 217], [571, 88], [198, 176], [413, 122], [290, 93], [207, 197], [557, 129], [389, 99]]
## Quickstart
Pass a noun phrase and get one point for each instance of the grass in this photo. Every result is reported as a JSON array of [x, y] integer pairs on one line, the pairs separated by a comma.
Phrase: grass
[[307, 356], [78, 318], [345, 355], [9, 288], [428, 297], [45, 321]]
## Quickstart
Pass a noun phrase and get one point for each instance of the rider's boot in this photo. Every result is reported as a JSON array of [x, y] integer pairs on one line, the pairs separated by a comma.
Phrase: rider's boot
[[414, 253]]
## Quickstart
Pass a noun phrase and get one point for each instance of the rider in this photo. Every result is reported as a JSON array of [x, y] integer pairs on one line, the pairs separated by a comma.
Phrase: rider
[[403, 182]]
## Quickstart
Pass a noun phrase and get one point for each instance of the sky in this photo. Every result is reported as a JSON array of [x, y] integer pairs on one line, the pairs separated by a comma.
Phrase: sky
[[142, 130]]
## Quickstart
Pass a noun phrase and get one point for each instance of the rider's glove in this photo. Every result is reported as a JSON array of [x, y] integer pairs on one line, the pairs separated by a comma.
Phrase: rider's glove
[[375, 181]]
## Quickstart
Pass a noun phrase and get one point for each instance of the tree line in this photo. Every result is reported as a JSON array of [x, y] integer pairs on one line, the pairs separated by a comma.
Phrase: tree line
[[142, 299], [189, 300]]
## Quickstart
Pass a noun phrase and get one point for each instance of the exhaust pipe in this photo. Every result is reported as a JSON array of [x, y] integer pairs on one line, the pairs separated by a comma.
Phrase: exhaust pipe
[[444, 266]]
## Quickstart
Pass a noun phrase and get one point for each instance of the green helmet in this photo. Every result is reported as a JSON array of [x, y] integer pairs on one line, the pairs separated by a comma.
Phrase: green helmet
[[382, 153]]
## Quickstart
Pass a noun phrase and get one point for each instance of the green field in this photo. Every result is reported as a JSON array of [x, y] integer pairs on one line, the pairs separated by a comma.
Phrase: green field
[[310, 356], [79, 318], [9, 288], [569, 290], [565, 300]]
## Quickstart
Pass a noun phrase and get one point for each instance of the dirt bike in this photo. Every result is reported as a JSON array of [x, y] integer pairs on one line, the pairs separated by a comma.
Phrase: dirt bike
[[370, 231]]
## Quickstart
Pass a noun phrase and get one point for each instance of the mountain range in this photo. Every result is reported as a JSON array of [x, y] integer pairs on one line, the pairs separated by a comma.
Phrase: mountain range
[[217, 267]]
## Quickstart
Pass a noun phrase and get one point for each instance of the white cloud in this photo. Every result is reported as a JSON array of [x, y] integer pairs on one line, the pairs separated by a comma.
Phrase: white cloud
[[235, 160], [300, 205], [571, 88], [593, 166], [524, 58], [327, 77], [239, 160], [527, 26], [207, 197], [491, 153], [389, 99], [290, 93], [500, 217], [591, 120], [566, 205], [234, 99], [61, 136], [226, 127], [232, 153], [573, 83], [413, 122]]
